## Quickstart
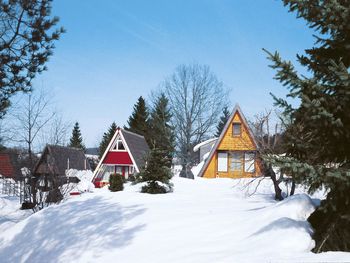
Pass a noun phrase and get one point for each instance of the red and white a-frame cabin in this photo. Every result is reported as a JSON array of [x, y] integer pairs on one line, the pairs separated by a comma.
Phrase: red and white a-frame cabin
[[125, 155]]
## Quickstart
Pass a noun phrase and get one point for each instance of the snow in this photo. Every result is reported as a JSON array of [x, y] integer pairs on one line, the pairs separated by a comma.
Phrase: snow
[[202, 220], [199, 145], [10, 212], [85, 177], [196, 169]]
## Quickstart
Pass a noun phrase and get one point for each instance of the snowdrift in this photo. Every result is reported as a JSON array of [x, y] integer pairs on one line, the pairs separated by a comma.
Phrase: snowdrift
[[201, 221]]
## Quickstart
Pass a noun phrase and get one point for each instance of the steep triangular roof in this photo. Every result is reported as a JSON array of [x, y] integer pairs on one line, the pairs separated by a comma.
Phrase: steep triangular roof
[[134, 144], [138, 147], [238, 110], [62, 158]]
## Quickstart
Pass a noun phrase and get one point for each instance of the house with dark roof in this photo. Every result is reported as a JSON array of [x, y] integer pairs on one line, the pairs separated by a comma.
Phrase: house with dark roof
[[56, 160], [124, 155], [10, 165]]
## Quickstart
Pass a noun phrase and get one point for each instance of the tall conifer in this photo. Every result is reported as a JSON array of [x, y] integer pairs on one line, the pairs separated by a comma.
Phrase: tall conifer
[[161, 133], [318, 138], [76, 139], [138, 121]]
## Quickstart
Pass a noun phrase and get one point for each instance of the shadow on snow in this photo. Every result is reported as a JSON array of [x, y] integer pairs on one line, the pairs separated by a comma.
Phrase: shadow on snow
[[67, 231]]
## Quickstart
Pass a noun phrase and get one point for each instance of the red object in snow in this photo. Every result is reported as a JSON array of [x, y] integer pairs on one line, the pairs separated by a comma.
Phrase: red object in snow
[[98, 183], [74, 193]]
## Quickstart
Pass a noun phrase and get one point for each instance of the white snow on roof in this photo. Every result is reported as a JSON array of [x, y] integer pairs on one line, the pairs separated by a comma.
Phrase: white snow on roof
[[199, 145]]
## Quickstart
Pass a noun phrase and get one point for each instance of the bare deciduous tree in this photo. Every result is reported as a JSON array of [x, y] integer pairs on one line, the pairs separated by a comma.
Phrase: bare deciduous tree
[[57, 133], [31, 117], [6, 133], [267, 128], [196, 98]]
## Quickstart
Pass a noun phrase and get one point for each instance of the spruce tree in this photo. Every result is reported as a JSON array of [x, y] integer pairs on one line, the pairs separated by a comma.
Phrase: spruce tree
[[156, 173], [318, 137], [76, 139], [161, 133], [138, 121], [107, 137], [223, 119]]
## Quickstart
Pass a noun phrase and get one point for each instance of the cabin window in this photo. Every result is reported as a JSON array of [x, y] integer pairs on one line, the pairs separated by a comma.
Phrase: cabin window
[[236, 129], [222, 162], [131, 169], [118, 146], [249, 162], [236, 161], [118, 170]]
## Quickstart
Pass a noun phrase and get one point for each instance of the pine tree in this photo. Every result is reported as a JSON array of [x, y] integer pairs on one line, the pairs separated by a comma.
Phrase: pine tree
[[318, 137], [28, 32], [76, 139], [138, 121], [107, 137], [161, 133], [223, 119], [156, 173]]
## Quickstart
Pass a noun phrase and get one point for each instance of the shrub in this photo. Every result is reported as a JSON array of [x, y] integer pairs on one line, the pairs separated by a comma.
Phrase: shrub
[[153, 187], [116, 182], [131, 178]]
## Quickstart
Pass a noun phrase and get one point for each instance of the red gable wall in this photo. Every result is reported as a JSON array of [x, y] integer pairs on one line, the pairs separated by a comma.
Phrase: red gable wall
[[121, 158], [6, 168]]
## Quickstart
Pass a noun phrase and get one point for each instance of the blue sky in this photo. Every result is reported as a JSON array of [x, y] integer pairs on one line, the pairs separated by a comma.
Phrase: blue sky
[[115, 51]]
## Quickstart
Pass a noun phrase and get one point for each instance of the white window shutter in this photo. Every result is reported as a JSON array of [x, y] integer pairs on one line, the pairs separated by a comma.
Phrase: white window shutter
[[222, 162]]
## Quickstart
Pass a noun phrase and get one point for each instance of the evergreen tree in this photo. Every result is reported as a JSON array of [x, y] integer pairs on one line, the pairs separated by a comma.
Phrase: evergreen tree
[[138, 121], [28, 33], [161, 133], [76, 139], [318, 137], [223, 119], [156, 173], [116, 182], [107, 137]]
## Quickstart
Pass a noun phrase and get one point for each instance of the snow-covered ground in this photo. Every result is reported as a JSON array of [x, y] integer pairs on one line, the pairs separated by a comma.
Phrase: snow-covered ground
[[10, 212], [201, 221]]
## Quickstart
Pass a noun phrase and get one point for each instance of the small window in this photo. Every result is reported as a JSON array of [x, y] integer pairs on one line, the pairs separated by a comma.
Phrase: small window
[[118, 146], [236, 161], [222, 162], [236, 129], [121, 146]]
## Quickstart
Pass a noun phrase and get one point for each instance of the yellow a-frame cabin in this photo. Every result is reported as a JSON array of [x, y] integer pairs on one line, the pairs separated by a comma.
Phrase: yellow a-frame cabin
[[234, 154]]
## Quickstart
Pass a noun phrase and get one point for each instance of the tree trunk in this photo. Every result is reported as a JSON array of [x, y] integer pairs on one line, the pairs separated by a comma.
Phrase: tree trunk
[[271, 173], [292, 190]]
